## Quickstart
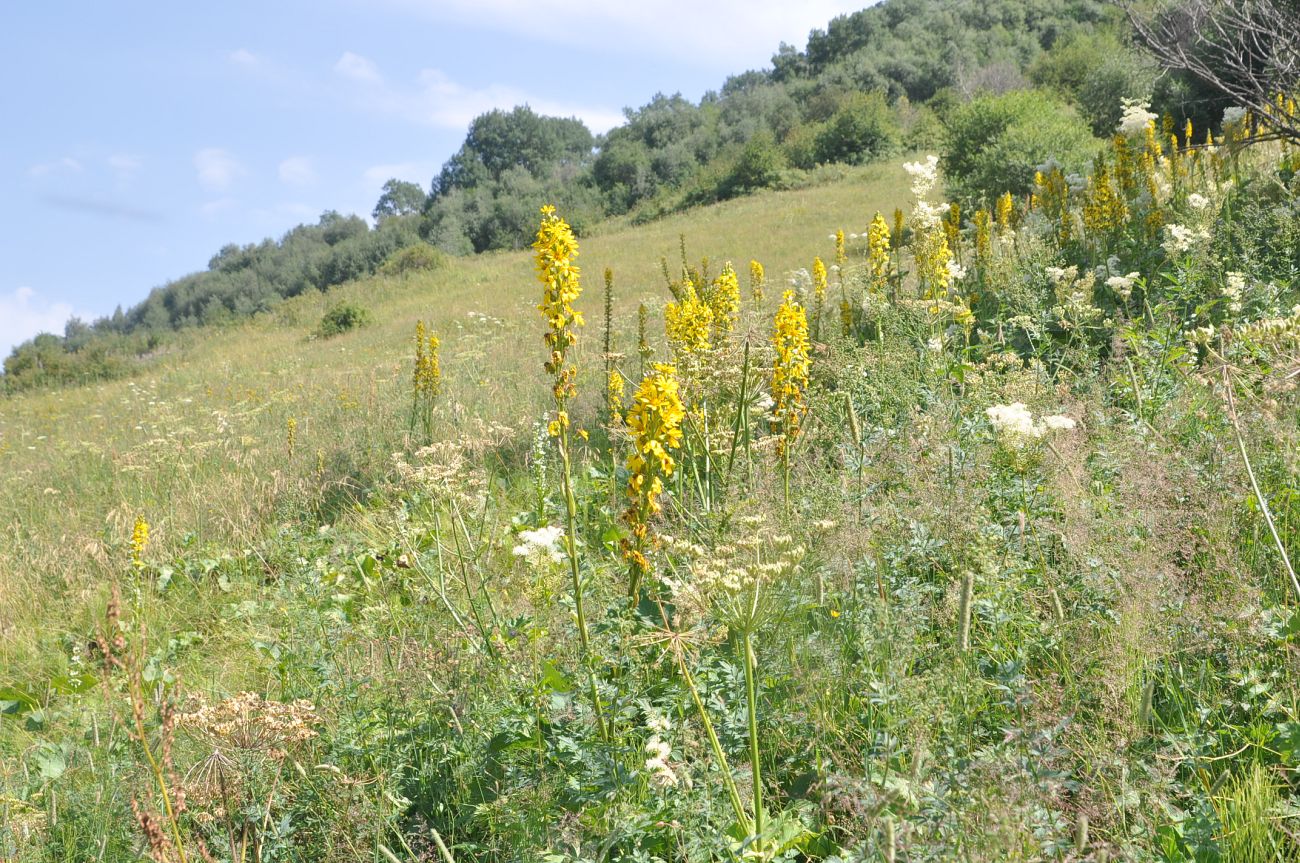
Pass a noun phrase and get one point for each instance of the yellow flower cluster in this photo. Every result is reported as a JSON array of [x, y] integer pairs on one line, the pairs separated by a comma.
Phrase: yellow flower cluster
[[983, 236], [614, 389], [688, 321], [290, 434], [724, 299], [1005, 213], [841, 254], [1103, 209], [819, 280], [790, 369], [139, 541], [555, 249], [655, 422], [757, 279], [878, 253], [426, 380]]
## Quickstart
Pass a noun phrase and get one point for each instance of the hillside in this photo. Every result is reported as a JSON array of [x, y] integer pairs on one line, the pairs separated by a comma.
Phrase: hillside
[[988, 542], [913, 481]]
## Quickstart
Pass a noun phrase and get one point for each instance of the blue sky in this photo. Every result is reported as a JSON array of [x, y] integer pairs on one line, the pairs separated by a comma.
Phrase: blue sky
[[140, 137]]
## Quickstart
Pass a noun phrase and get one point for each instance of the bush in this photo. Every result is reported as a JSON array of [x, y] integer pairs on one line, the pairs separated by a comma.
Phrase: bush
[[416, 258], [340, 318], [862, 129], [995, 143], [759, 166]]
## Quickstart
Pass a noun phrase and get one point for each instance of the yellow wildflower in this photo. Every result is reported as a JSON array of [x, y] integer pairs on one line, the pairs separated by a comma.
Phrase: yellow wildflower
[[688, 321], [655, 423], [139, 541], [724, 299], [790, 369], [757, 279], [555, 249]]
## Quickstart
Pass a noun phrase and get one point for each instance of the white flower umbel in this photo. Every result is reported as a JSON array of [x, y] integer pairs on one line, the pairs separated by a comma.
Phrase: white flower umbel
[[540, 545], [1135, 117], [1015, 425]]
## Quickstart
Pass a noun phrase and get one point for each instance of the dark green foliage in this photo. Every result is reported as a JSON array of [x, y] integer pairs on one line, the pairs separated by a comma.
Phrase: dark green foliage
[[995, 143], [340, 318], [1095, 71], [759, 166], [420, 257], [861, 130], [399, 198]]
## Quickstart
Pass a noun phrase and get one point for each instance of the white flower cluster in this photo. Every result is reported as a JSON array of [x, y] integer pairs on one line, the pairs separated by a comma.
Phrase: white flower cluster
[[1197, 201], [1122, 285], [541, 545], [1135, 117], [1015, 425], [925, 176], [1180, 239], [1234, 290]]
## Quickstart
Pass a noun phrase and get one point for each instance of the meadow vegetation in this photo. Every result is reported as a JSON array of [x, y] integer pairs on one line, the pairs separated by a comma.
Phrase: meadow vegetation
[[939, 508]]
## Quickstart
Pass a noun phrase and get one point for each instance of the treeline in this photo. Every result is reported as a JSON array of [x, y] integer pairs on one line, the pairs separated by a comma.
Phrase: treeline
[[997, 85], [240, 281]]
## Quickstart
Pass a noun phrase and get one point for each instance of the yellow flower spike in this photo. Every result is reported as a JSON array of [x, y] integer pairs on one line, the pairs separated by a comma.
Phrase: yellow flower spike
[[689, 322], [790, 368], [139, 542], [878, 251], [819, 279], [655, 423], [757, 280], [724, 299], [841, 254]]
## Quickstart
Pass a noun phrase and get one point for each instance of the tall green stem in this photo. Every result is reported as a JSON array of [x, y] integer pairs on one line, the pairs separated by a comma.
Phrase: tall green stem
[[739, 808], [751, 700], [571, 547]]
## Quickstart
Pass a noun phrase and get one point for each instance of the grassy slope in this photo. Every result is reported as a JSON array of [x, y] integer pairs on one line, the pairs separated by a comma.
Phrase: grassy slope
[[197, 445]]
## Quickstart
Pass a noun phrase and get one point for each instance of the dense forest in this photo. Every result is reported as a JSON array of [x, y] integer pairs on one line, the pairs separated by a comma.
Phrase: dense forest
[[992, 85]]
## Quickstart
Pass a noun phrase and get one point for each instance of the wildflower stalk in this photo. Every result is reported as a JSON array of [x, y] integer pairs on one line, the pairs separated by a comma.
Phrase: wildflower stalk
[[751, 703], [555, 248], [720, 757]]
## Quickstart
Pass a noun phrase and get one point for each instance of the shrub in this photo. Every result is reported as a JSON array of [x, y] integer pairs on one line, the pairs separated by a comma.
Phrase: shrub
[[340, 318], [862, 129], [995, 143], [759, 166], [416, 258]]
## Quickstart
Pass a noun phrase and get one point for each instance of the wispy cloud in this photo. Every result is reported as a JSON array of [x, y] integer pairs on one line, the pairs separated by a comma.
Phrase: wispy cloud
[[105, 208], [125, 165], [244, 58], [64, 165], [357, 68], [297, 171], [411, 172], [436, 99], [216, 168], [24, 313]]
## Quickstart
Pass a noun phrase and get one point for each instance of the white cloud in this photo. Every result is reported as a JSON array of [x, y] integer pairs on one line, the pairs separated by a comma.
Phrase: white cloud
[[65, 165], [297, 171], [217, 169], [244, 58], [124, 164], [215, 206], [435, 99], [734, 33], [411, 172], [23, 314], [357, 68]]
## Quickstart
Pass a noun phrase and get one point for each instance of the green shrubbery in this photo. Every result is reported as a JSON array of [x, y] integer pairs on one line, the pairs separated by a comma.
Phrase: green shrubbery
[[342, 317], [996, 143], [415, 258]]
